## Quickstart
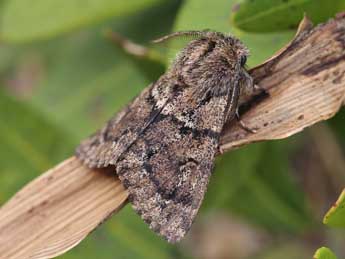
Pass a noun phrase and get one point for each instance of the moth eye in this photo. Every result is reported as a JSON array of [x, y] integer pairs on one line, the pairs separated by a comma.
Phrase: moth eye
[[243, 60]]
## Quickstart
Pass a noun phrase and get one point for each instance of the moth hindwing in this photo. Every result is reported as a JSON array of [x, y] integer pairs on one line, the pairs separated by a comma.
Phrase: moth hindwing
[[164, 143]]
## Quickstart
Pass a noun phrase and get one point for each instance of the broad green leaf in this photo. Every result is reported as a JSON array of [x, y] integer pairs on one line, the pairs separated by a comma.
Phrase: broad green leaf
[[30, 144], [335, 217], [324, 253], [88, 78], [24, 20], [91, 95], [196, 15], [272, 15]]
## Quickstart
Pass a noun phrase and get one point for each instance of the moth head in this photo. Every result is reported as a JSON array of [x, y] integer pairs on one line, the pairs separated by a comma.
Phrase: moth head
[[229, 47], [204, 42], [209, 57]]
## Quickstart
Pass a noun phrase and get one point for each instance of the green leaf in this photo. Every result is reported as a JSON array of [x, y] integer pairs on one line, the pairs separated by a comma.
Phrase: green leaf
[[30, 144], [196, 15], [324, 253], [100, 86], [24, 21], [272, 15], [88, 79], [335, 217]]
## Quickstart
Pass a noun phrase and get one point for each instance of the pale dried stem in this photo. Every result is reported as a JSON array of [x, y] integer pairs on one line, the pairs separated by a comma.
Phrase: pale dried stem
[[305, 84], [127, 45], [57, 210]]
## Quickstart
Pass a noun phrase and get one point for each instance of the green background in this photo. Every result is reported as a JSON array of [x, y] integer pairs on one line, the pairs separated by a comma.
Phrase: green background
[[61, 78]]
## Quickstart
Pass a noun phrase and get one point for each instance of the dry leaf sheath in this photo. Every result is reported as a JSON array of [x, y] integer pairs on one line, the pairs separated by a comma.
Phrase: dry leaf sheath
[[305, 84]]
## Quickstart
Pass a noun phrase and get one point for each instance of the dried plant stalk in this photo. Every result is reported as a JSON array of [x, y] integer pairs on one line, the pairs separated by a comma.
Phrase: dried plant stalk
[[57, 210], [305, 84]]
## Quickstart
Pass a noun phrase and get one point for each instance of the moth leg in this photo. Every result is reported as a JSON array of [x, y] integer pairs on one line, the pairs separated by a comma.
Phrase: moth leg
[[242, 124], [258, 88], [220, 150]]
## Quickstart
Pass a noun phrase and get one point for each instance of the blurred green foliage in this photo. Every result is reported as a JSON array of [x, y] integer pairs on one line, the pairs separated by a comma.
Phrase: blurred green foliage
[[273, 15], [26, 20], [335, 217], [324, 253], [61, 79]]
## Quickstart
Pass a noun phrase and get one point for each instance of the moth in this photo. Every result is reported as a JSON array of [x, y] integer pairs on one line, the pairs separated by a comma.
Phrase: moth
[[163, 144]]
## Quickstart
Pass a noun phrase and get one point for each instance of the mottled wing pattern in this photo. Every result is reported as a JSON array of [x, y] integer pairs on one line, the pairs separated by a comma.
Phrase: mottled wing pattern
[[168, 168], [163, 145], [105, 146]]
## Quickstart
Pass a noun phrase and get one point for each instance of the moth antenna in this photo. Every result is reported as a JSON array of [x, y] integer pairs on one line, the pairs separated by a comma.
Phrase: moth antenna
[[179, 34]]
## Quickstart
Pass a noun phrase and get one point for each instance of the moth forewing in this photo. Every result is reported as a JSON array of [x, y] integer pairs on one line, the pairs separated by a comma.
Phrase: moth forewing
[[164, 143]]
